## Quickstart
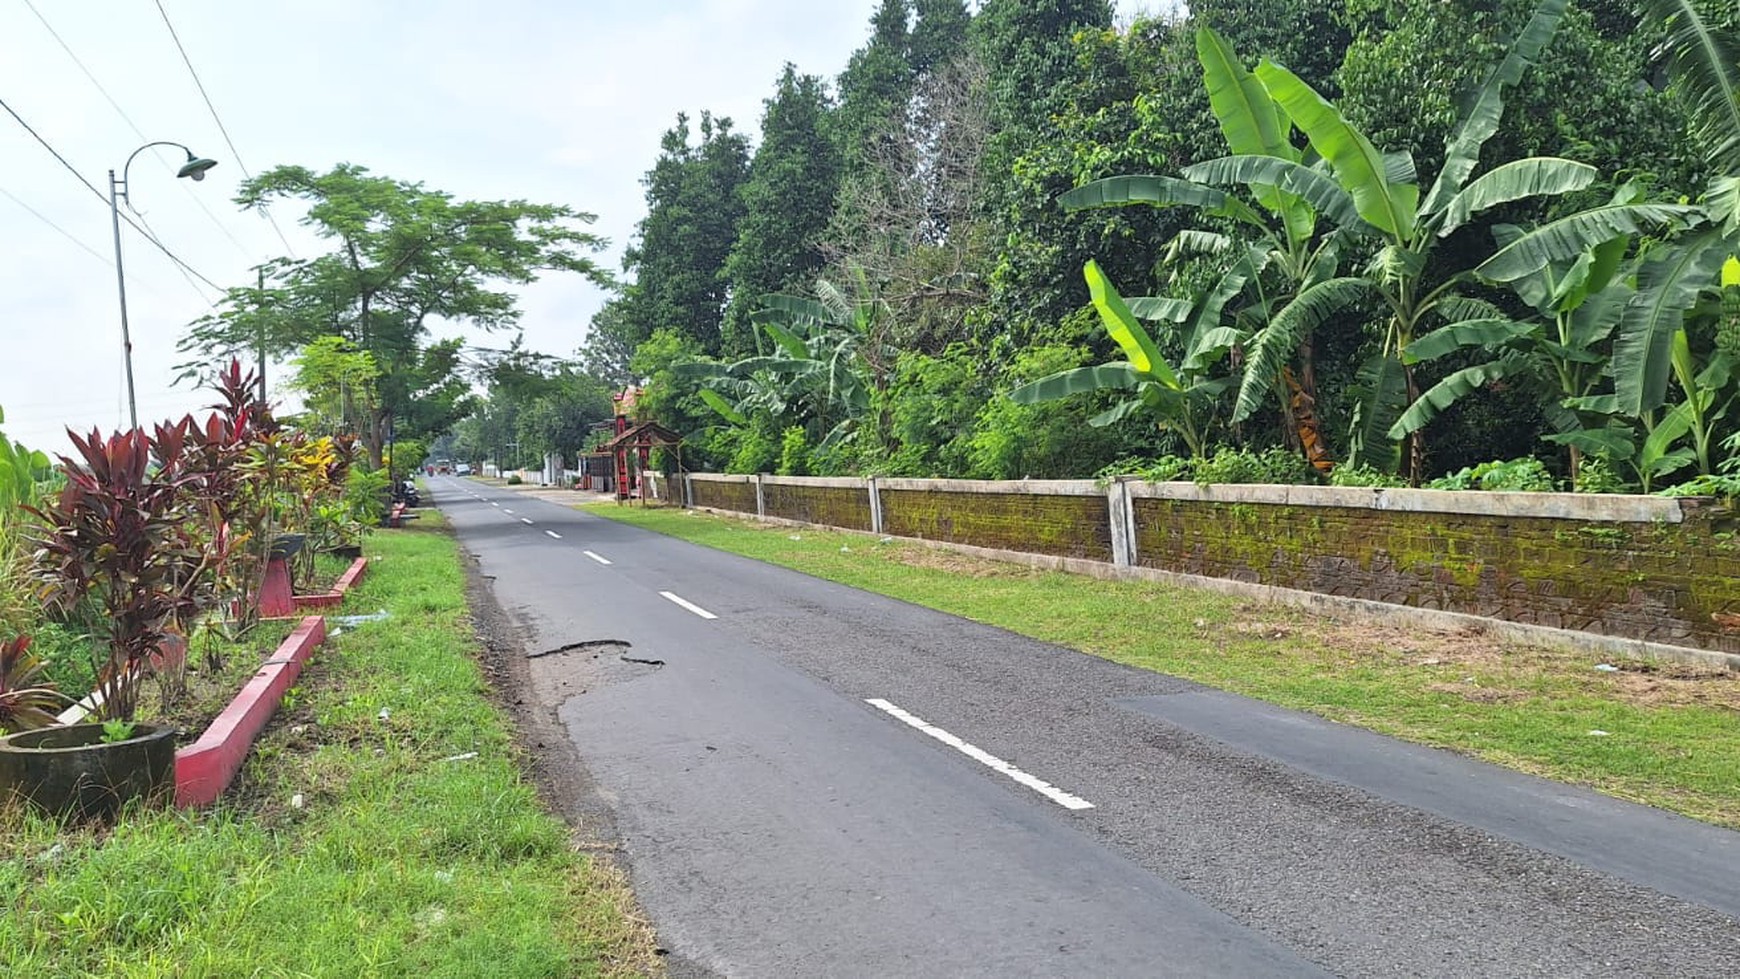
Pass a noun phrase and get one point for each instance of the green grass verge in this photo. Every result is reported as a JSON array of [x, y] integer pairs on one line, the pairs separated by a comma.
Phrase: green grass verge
[[1671, 737], [403, 859]]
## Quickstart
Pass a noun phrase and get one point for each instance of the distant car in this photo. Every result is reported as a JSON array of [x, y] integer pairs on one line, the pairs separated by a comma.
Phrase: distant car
[[463, 469]]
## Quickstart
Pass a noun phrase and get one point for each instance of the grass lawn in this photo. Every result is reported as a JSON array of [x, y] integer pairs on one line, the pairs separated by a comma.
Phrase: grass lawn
[[364, 837], [1661, 735]]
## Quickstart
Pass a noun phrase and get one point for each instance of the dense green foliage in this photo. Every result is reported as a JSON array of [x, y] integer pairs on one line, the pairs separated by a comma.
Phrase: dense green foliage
[[1397, 239]]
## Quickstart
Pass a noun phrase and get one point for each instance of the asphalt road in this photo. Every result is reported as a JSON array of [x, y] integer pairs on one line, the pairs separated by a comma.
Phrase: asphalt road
[[817, 781]]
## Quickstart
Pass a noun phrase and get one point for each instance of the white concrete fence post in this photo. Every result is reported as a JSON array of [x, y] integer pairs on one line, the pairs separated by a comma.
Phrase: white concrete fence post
[[760, 498], [875, 504], [1122, 516]]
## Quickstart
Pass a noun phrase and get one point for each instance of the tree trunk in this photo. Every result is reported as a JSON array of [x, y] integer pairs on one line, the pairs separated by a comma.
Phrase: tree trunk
[[1416, 448]]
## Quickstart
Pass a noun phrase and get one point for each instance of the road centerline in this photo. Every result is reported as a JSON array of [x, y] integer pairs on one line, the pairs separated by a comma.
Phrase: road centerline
[[601, 559], [981, 756], [553, 534], [691, 606]]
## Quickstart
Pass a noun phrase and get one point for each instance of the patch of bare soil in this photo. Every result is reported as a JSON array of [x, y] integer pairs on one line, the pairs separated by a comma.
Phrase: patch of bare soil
[[955, 563], [1503, 667]]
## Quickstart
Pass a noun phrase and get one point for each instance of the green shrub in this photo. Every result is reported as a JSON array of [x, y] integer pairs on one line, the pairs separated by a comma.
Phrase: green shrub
[[1525, 475], [1162, 469], [755, 452], [514, 479], [1364, 475], [1597, 475], [794, 452], [1272, 465]]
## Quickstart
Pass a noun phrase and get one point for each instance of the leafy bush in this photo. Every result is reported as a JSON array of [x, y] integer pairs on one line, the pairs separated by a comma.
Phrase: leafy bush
[[1164, 469], [514, 479], [1525, 475], [794, 452], [1597, 475], [1364, 475], [756, 452], [1273, 465]]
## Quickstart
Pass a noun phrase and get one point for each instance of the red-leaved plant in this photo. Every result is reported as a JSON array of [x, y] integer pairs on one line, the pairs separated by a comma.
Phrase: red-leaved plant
[[119, 531], [27, 699]]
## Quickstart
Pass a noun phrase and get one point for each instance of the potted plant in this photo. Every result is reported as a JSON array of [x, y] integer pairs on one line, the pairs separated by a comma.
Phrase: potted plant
[[116, 533], [89, 771]]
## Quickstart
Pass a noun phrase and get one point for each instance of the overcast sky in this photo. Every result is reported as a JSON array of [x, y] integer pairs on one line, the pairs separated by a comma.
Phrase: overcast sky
[[556, 102]]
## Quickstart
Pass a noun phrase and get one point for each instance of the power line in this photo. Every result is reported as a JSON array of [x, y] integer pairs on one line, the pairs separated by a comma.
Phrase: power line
[[99, 195], [65, 233], [219, 120], [92, 78]]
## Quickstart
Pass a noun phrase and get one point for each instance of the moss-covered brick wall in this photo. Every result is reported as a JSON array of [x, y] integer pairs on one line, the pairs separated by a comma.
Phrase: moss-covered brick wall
[[725, 495], [832, 506], [1037, 523], [1664, 582]]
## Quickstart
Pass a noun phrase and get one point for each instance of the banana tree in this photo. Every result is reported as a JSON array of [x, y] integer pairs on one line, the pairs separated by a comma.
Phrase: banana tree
[[1182, 398], [1409, 224], [826, 358], [1562, 354], [1277, 251]]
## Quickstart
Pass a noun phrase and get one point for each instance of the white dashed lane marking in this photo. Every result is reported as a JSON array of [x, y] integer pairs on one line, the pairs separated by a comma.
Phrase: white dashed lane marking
[[691, 606], [982, 756]]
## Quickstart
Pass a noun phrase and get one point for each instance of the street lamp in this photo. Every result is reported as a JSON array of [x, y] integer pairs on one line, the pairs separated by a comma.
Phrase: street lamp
[[195, 167]]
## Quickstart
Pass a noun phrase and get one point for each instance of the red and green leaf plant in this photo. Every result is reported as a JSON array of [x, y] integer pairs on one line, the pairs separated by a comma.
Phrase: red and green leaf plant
[[28, 700], [117, 533]]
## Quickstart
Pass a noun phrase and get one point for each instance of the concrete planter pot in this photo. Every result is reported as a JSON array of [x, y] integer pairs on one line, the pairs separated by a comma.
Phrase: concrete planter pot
[[70, 772]]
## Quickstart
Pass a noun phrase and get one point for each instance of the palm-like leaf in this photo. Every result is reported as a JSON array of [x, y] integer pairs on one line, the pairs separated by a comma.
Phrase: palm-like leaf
[[1462, 151], [1078, 380], [1192, 241], [1124, 329], [1160, 308], [1247, 115], [726, 409], [1358, 166], [1668, 284], [786, 309], [1537, 176], [1563, 240], [1315, 187], [1117, 413], [787, 340], [1252, 124], [1142, 189], [1464, 333], [1452, 389], [1705, 63], [1382, 395], [1274, 345]]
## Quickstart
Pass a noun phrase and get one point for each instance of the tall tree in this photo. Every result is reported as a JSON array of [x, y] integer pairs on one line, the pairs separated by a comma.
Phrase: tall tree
[[876, 82], [786, 204], [940, 31], [693, 208], [402, 256]]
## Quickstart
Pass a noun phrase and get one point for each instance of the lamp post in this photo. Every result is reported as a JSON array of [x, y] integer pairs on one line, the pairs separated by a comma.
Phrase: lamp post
[[195, 167]]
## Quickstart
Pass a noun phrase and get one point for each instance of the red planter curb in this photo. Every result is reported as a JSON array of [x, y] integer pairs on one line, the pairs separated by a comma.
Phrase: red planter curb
[[204, 769], [344, 584]]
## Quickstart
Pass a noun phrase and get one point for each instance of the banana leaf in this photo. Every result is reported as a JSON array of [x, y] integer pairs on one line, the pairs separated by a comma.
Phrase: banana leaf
[[1537, 176], [1358, 166], [1077, 380]]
